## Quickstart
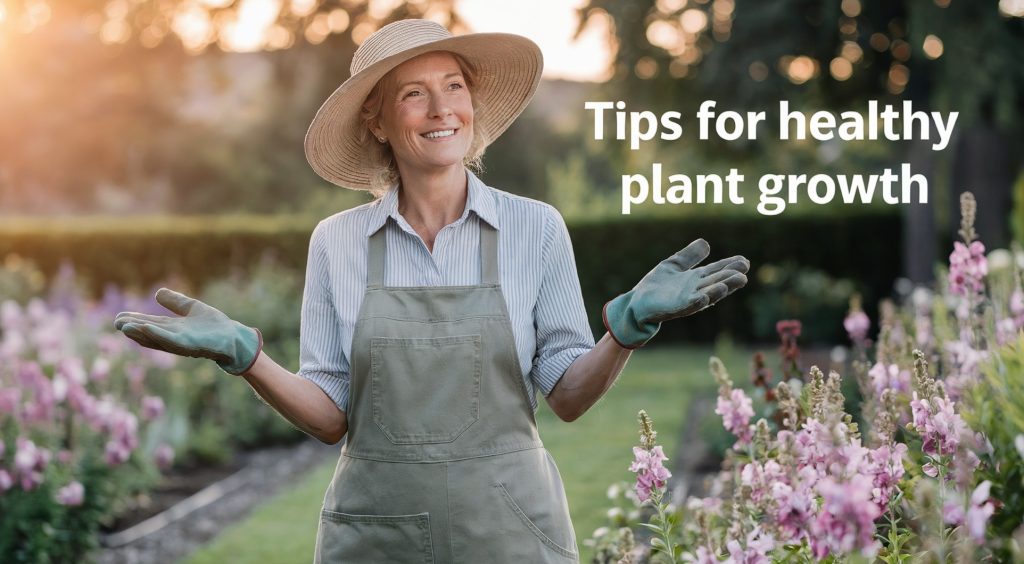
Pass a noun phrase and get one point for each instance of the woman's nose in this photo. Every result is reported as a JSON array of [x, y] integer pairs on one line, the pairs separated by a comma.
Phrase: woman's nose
[[439, 107]]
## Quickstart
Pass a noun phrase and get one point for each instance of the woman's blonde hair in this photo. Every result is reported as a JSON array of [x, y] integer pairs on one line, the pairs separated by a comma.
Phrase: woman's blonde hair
[[380, 157]]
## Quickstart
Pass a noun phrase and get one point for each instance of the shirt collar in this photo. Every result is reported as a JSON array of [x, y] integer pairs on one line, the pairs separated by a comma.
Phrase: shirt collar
[[479, 200]]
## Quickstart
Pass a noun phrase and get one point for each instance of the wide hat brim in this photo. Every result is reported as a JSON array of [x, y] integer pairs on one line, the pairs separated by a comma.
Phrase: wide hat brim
[[508, 67]]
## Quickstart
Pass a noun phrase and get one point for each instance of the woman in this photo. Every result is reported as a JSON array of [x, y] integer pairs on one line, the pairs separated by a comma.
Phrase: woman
[[431, 315]]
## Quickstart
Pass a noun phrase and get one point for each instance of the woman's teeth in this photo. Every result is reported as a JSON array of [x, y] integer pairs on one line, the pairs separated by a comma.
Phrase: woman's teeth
[[437, 134]]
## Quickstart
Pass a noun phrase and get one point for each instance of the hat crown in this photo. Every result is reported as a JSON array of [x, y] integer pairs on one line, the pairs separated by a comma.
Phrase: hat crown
[[394, 38]]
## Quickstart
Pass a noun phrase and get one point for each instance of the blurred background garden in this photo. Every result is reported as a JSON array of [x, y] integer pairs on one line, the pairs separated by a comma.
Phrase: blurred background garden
[[148, 143]]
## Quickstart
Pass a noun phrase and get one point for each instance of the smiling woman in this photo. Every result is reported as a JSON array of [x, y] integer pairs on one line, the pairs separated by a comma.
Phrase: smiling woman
[[407, 97], [432, 316]]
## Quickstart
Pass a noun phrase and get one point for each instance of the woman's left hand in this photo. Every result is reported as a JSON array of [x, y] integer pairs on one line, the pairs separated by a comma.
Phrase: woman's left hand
[[677, 287]]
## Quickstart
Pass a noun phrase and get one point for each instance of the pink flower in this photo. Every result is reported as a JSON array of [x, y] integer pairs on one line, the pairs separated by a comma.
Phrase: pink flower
[[979, 512], [163, 456], [116, 453], [6, 481], [887, 468], [736, 411], [100, 369], [1017, 308], [72, 369], [795, 508], [857, 325], [703, 556], [11, 317], [161, 359], [758, 545], [940, 427], [29, 463], [846, 522], [152, 407], [650, 472], [135, 373], [967, 269], [110, 345], [71, 495], [9, 398], [889, 378], [80, 401]]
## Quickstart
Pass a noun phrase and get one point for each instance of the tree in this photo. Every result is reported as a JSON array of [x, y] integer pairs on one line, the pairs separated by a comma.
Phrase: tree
[[93, 103]]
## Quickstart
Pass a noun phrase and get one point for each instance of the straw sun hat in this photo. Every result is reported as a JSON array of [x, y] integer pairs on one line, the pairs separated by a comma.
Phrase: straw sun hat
[[509, 69]]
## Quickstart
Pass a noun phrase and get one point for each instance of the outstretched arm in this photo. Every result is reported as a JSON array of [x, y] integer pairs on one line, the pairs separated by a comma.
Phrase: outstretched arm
[[297, 399], [677, 287], [588, 378], [201, 331]]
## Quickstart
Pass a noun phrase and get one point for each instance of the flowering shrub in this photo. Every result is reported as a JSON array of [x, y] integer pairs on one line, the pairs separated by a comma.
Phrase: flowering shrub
[[927, 472], [79, 430]]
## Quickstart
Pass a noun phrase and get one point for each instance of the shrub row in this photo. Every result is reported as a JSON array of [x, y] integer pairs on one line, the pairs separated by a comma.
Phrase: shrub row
[[611, 255]]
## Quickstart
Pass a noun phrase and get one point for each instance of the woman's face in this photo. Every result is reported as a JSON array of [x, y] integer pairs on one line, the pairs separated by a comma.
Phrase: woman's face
[[427, 113]]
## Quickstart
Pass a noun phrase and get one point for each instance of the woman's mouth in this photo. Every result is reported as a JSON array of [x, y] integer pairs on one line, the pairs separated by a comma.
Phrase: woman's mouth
[[439, 134]]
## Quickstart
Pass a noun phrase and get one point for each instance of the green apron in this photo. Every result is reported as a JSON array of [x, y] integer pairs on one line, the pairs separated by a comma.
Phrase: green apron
[[442, 461]]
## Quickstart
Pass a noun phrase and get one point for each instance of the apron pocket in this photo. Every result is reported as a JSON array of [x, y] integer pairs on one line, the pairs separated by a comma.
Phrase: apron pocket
[[425, 390], [374, 538], [533, 528]]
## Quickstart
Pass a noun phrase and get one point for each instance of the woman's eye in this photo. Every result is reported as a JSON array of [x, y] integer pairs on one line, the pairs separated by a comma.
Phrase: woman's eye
[[411, 93], [455, 86]]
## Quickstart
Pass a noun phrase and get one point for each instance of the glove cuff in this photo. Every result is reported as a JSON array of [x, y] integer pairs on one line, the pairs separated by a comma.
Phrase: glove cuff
[[621, 323], [247, 347]]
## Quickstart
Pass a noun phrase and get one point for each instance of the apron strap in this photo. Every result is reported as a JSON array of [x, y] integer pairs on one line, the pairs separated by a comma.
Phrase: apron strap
[[488, 254], [375, 259]]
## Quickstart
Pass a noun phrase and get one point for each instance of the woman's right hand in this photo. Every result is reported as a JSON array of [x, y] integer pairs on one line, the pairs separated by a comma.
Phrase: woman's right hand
[[201, 331]]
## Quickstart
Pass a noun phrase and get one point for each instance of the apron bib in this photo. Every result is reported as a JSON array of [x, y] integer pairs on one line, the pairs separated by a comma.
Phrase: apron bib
[[442, 461]]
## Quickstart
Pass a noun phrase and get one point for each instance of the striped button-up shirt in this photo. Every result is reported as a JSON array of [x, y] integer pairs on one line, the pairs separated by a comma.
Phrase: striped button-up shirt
[[538, 280]]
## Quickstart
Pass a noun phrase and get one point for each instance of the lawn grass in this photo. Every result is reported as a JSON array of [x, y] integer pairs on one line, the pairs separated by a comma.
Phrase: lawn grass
[[591, 453]]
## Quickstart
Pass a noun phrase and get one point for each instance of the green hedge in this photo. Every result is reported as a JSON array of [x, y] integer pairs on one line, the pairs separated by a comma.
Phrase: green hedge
[[611, 255], [138, 252]]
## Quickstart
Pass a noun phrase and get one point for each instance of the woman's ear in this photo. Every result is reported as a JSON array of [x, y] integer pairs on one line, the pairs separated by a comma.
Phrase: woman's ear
[[376, 130]]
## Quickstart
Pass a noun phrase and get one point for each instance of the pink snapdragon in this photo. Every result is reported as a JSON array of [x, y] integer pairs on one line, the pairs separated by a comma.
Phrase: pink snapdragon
[[795, 507], [1006, 331], [967, 269], [152, 407], [71, 495], [758, 545], [979, 509], [649, 469], [41, 407], [9, 400], [1017, 307], [857, 325], [846, 522], [886, 467], [100, 369], [29, 463], [736, 410], [940, 427], [889, 378], [163, 456]]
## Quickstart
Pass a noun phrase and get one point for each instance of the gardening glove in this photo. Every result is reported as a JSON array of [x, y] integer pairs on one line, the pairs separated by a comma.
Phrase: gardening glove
[[201, 332], [675, 288]]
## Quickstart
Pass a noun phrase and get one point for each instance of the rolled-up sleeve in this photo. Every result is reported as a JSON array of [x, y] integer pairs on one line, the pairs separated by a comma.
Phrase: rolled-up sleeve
[[563, 333], [321, 358]]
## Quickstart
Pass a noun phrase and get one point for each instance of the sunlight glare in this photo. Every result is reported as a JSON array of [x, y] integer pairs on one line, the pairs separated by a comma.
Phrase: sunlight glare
[[587, 57], [249, 30], [194, 27]]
